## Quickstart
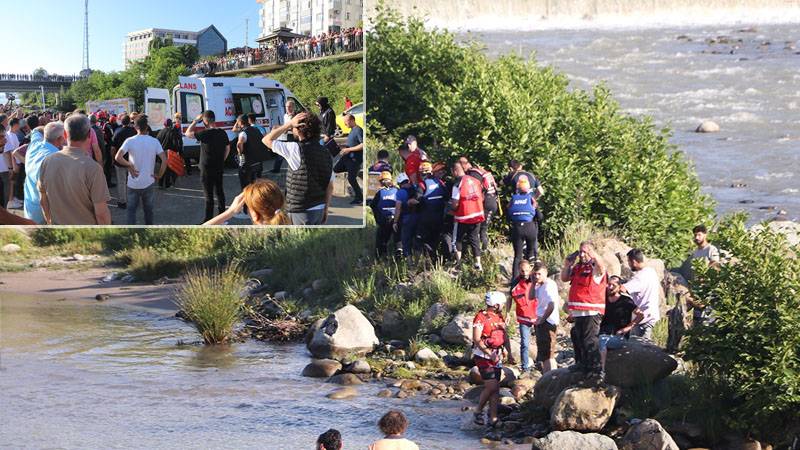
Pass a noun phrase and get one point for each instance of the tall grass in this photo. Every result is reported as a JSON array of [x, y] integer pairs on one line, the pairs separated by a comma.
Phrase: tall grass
[[211, 300]]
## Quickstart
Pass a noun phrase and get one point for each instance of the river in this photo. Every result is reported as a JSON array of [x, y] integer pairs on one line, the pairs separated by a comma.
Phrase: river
[[87, 375]]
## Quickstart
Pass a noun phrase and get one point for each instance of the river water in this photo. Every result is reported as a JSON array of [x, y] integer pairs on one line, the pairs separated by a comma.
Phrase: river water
[[79, 375]]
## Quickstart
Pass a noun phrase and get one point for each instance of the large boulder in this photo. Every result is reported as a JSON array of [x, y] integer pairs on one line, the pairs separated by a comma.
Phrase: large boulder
[[321, 368], [10, 248], [562, 440], [343, 393], [345, 332], [391, 323], [584, 409], [707, 126], [609, 250], [638, 362], [648, 435], [436, 314], [459, 330], [551, 384], [426, 356]]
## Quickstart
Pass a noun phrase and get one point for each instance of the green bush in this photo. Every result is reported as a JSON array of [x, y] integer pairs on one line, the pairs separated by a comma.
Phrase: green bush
[[596, 164], [212, 302], [751, 350], [332, 79]]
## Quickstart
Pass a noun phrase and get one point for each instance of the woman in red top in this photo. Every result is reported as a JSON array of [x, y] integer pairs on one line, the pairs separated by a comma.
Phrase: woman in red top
[[489, 341]]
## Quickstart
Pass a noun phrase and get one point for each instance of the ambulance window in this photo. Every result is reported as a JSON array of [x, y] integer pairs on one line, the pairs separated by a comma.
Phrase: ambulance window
[[191, 106], [248, 103]]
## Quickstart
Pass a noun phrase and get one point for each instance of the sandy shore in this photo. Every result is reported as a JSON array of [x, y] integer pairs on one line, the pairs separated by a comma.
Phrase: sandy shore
[[84, 285]]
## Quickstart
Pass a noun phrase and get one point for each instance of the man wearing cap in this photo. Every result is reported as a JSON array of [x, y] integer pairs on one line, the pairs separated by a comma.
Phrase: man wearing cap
[[524, 233], [406, 216], [489, 342], [383, 207], [433, 200], [413, 157]]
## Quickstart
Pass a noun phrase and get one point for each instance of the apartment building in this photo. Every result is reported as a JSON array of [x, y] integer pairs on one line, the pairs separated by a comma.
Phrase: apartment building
[[310, 17]]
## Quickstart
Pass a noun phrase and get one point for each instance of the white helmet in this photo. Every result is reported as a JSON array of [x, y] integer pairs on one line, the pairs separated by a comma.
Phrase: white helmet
[[401, 178], [495, 298]]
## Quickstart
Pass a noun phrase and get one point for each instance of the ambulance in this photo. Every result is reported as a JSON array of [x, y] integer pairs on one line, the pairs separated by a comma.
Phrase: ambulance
[[228, 97]]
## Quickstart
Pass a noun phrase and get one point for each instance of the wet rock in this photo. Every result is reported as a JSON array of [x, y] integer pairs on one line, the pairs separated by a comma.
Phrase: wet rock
[[391, 323], [343, 393], [321, 368], [261, 274], [345, 379], [426, 356], [436, 314], [411, 385], [385, 393], [402, 394], [11, 248], [648, 435], [560, 440], [638, 362], [359, 366], [584, 409], [707, 126], [345, 332], [459, 330], [473, 394], [101, 297]]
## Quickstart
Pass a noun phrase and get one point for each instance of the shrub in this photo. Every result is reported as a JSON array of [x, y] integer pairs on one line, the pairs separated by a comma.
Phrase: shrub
[[751, 350], [212, 302], [146, 264], [597, 164]]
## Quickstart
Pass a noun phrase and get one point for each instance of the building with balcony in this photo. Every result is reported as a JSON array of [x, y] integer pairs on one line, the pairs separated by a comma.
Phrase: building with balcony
[[310, 17], [209, 41]]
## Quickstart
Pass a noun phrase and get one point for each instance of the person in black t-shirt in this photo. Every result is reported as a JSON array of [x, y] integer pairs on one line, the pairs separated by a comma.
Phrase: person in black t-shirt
[[214, 149], [120, 136], [617, 321]]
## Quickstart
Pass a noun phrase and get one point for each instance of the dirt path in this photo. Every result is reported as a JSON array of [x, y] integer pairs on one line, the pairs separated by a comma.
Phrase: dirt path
[[84, 285]]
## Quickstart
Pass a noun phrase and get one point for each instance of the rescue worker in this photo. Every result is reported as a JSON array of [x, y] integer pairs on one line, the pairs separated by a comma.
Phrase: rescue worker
[[586, 304], [524, 232], [490, 205], [432, 205], [447, 239], [383, 207], [405, 214], [523, 295], [489, 342], [467, 205]]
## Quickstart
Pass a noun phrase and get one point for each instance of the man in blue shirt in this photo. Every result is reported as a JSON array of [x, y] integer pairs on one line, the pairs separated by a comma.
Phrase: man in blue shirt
[[44, 142], [353, 157]]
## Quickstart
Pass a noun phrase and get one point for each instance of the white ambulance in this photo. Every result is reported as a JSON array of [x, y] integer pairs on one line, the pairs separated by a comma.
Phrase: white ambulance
[[228, 97]]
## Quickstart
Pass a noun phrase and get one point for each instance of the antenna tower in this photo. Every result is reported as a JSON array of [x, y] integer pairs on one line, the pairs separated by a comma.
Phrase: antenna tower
[[86, 36]]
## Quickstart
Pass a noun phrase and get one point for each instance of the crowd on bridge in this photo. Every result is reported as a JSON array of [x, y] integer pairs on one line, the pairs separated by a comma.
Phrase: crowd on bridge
[[436, 211], [51, 78], [311, 47]]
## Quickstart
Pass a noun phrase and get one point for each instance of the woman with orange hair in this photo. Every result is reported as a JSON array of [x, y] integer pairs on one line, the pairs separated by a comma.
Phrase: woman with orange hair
[[264, 201]]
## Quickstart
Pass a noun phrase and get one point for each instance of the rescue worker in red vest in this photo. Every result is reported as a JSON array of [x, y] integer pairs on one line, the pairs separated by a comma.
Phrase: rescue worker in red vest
[[383, 207], [586, 305], [490, 206], [522, 213], [523, 295], [432, 204], [467, 205], [489, 342]]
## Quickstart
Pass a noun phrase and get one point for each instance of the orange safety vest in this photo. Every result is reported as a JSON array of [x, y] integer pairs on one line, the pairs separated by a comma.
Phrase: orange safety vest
[[584, 293], [493, 333], [470, 202], [525, 306]]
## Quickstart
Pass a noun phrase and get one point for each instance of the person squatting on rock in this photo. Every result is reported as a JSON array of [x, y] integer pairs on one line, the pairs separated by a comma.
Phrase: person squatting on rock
[[617, 323], [489, 343], [586, 304]]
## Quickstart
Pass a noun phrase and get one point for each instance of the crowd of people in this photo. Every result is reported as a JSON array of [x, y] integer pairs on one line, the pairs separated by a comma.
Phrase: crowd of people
[[325, 44], [39, 77], [60, 168], [430, 212]]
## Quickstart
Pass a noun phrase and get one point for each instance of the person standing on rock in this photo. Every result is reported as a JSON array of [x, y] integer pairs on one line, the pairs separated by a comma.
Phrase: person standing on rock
[[523, 295], [645, 290], [709, 253], [393, 424], [547, 305], [489, 340], [586, 304], [617, 323]]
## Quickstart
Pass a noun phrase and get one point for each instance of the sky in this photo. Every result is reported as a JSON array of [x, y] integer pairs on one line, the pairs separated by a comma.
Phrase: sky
[[49, 33]]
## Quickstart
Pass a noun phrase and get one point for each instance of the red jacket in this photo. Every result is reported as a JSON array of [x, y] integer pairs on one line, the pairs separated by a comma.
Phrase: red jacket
[[493, 332], [470, 202], [584, 293], [525, 304]]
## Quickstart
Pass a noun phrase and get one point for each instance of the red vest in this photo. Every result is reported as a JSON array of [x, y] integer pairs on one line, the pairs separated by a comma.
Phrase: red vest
[[584, 293], [526, 306], [493, 332], [470, 203]]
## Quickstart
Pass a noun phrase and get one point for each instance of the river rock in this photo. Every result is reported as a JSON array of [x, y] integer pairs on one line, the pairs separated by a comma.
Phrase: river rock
[[648, 435], [318, 284], [343, 393], [437, 313], [345, 332], [385, 393], [562, 440], [551, 384], [707, 126], [459, 330], [426, 356], [10, 248], [261, 274], [101, 297], [584, 409], [519, 388], [638, 362], [321, 368], [391, 323], [358, 366], [345, 379]]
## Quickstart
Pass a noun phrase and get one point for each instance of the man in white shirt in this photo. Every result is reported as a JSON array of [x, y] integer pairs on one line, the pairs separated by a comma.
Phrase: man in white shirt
[[547, 305], [12, 143], [142, 151], [645, 290]]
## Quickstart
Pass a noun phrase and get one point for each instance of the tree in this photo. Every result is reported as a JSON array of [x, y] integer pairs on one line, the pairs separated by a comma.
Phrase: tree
[[40, 73]]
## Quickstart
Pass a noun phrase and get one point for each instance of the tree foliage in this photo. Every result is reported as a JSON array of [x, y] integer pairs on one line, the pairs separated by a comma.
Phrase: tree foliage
[[332, 79], [596, 163], [751, 350]]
